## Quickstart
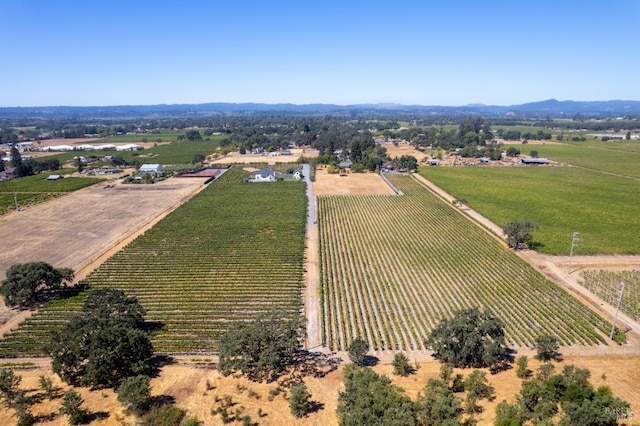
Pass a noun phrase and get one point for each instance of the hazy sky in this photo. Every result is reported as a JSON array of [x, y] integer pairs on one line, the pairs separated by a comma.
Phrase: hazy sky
[[452, 52]]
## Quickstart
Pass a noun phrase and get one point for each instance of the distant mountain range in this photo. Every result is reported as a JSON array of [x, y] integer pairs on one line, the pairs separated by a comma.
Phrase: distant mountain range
[[550, 108]]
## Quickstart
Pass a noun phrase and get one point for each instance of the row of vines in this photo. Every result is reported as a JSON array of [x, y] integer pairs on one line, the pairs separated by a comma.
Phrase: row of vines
[[606, 285], [233, 251], [393, 266]]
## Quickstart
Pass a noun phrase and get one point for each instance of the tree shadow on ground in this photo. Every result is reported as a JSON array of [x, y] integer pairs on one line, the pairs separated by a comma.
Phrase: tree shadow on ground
[[505, 362], [370, 361], [314, 407], [157, 362], [99, 415], [161, 400]]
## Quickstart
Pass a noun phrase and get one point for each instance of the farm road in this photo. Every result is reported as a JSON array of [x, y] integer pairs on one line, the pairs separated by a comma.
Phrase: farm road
[[312, 273], [82, 229]]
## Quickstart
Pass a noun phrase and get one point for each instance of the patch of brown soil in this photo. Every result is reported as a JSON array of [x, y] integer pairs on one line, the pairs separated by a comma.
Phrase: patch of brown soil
[[351, 184], [237, 158]]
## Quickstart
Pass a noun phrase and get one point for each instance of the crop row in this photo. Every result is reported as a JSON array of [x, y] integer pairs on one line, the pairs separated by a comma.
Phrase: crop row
[[606, 285], [233, 251], [393, 266]]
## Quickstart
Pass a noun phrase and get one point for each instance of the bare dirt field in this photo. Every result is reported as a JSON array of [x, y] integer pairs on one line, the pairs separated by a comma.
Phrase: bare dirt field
[[403, 149], [351, 184], [235, 157], [81, 229], [186, 383]]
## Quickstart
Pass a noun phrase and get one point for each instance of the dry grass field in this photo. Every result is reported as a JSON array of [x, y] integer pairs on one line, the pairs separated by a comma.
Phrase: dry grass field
[[401, 149], [351, 184], [237, 158], [186, 383]]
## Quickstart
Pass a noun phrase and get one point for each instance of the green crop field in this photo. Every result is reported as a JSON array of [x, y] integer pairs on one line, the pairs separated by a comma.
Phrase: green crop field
[[622, 161], [606, 284], [393, 266], [560, 200], [231, 252], [36, 189]]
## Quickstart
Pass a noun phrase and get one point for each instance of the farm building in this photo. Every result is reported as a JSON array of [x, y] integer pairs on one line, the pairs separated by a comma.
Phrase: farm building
[[534, 161], [269, 175], [264, 175], [345, 164], [151, 169], [433, 162]]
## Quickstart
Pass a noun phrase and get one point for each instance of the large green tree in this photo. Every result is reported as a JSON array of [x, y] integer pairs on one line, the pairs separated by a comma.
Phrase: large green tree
[[26, 283], [100, 351], [471, 338], [370, 399], [114, 304], [261, 348], [519, 233]]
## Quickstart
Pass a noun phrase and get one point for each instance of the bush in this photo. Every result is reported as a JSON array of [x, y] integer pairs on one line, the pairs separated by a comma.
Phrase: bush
[[165, 415], [358, 350], [522, 371], [300, 400], [401, 365], [135, 392], [546, 346]]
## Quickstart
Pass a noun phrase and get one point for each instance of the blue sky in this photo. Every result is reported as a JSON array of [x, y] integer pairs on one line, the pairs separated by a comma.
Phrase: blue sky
[[454, 52]]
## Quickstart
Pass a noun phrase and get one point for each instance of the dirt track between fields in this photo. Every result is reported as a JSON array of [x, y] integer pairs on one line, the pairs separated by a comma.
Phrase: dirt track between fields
[[82, 229]]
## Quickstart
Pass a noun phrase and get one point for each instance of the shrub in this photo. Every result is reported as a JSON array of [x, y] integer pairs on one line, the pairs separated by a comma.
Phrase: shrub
[[401, 365]]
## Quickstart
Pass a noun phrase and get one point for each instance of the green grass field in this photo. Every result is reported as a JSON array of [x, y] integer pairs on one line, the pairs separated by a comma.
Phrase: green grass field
[[561, 200], [32, 190], [623, 159]]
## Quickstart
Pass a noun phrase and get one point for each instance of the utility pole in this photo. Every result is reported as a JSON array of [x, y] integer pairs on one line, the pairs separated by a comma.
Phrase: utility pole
[[613, 326], [574, 242]]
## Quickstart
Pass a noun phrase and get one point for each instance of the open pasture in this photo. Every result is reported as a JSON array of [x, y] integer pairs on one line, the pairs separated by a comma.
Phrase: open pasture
[[393, 266], [561, 200], [234, 250], [622, 160]]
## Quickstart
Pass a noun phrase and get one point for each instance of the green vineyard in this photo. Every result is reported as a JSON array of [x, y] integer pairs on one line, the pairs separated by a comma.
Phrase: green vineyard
[[606, 285], [231, 252], [393, 266]]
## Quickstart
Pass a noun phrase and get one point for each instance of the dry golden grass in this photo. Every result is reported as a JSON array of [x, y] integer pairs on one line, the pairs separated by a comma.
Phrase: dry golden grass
[[186, 383]]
